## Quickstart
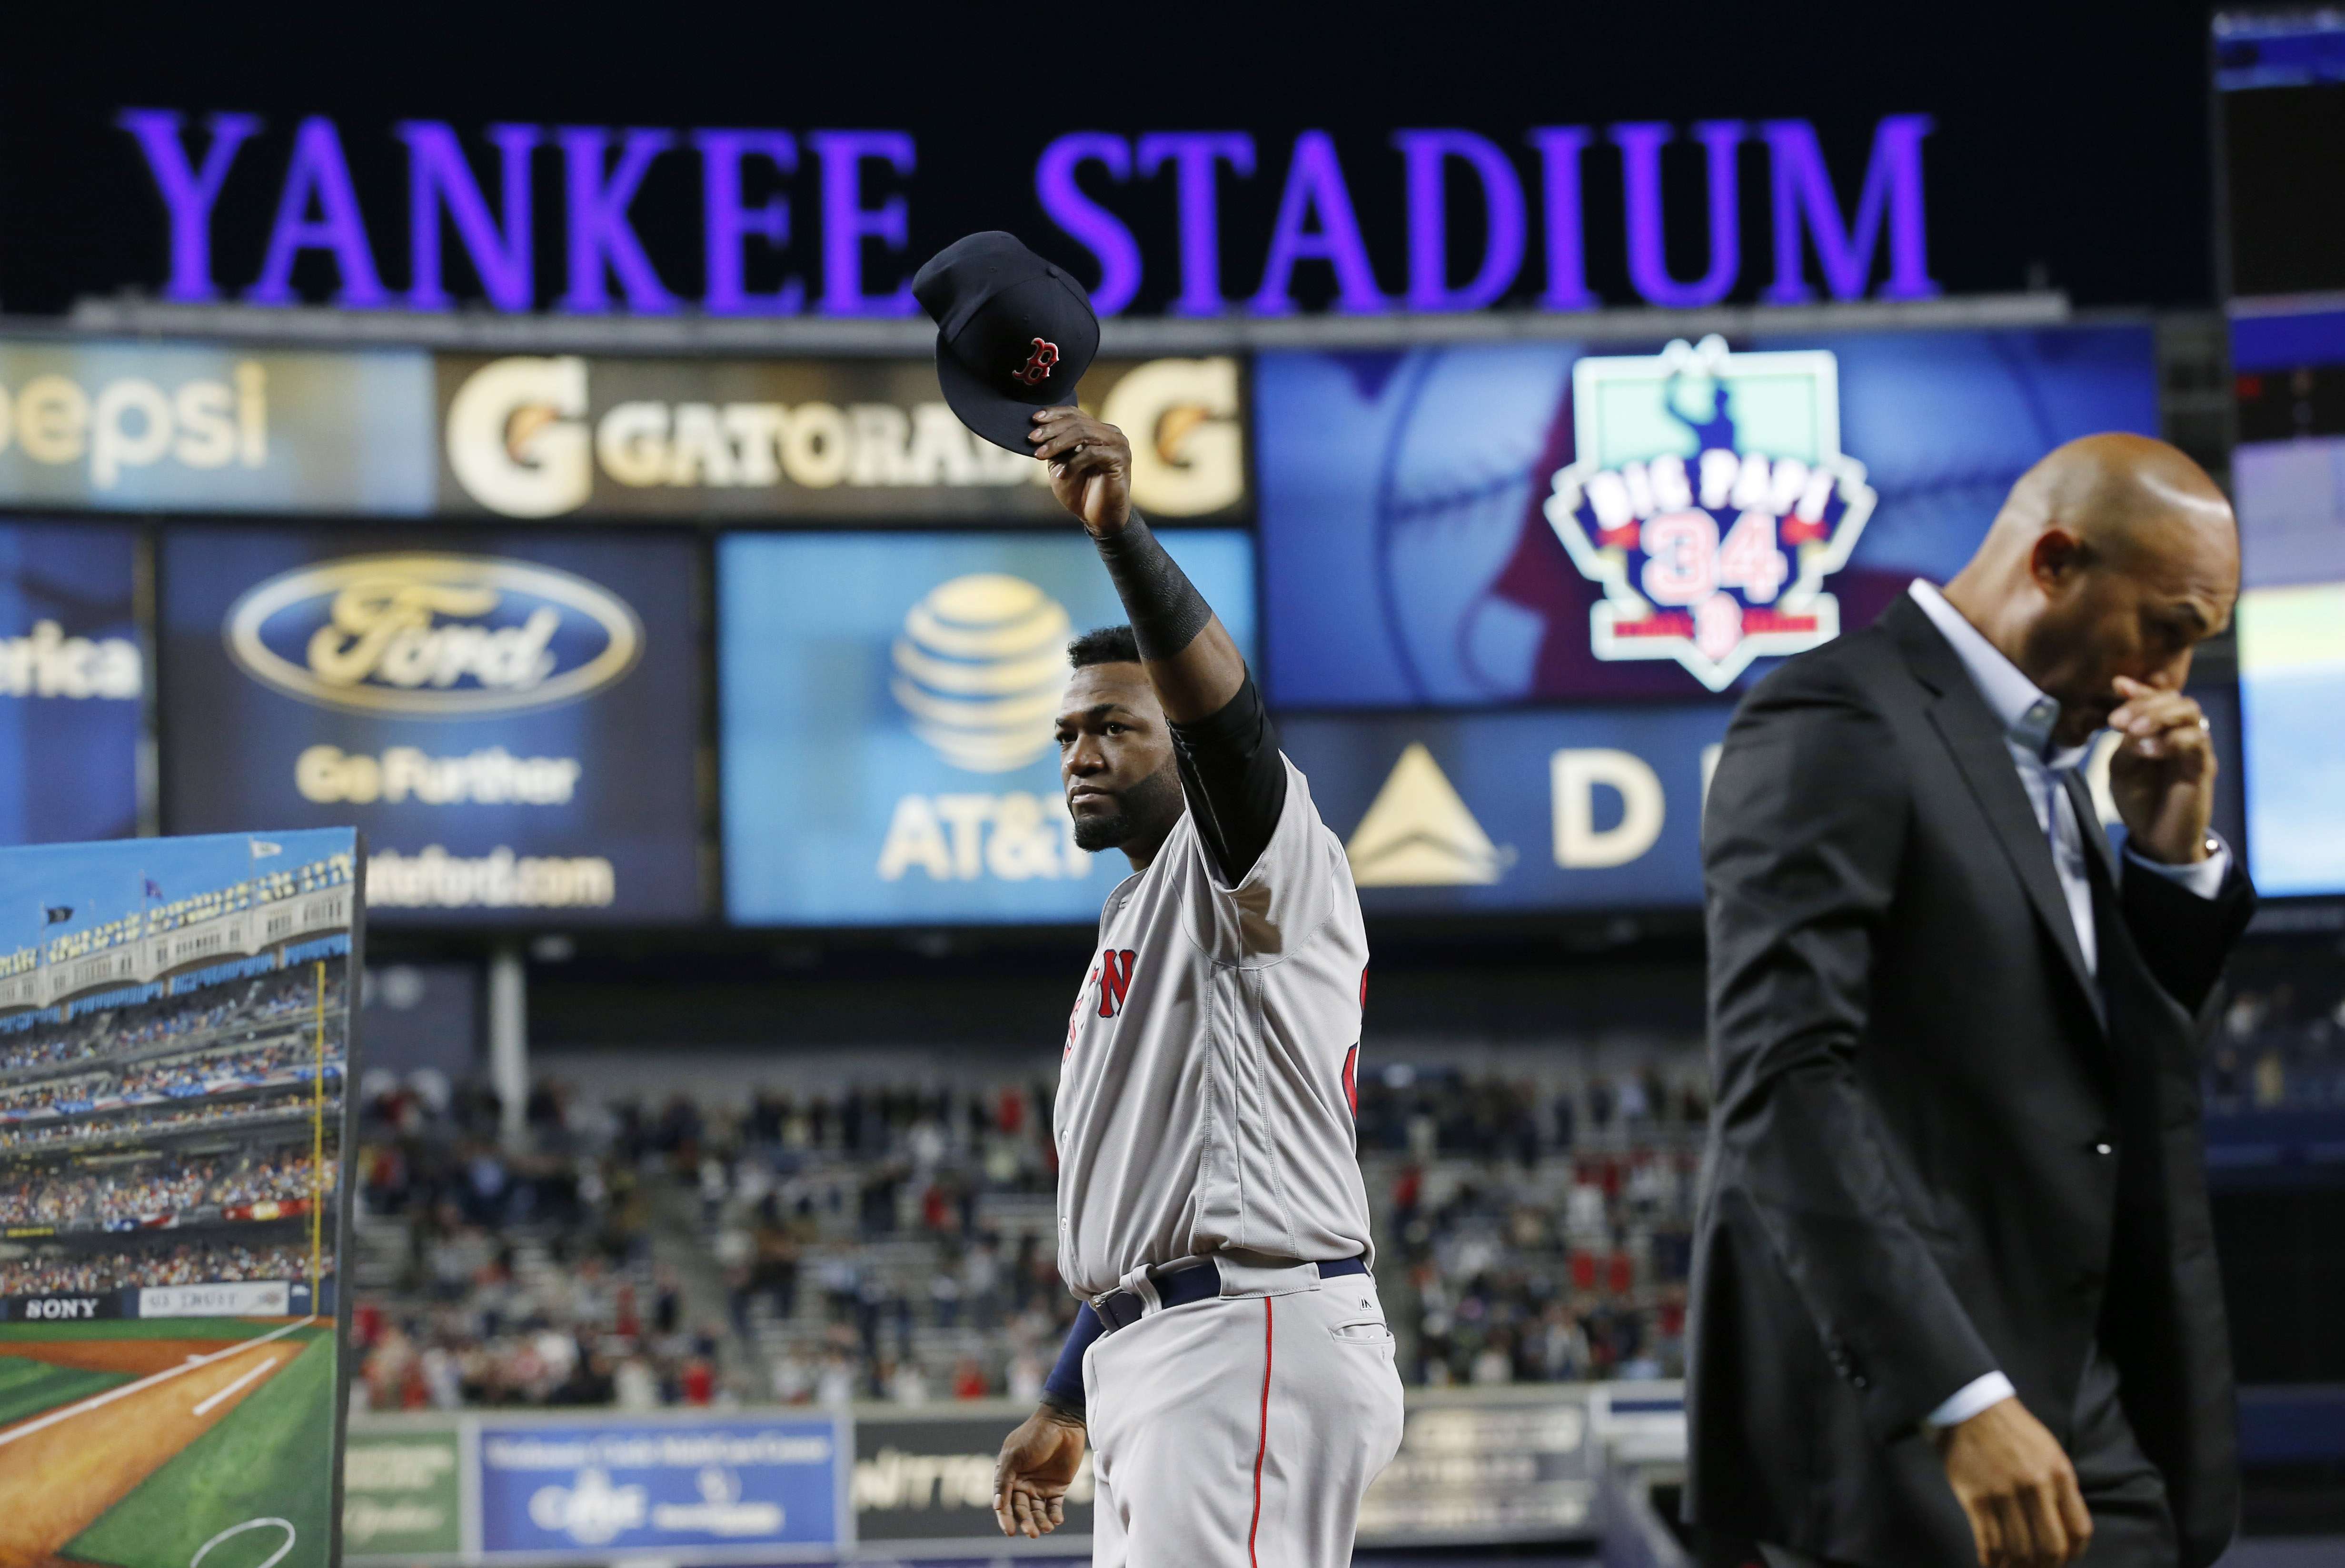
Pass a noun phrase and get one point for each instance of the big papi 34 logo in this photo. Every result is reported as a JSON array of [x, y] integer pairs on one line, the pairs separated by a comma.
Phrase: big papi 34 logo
[[1711, 499]]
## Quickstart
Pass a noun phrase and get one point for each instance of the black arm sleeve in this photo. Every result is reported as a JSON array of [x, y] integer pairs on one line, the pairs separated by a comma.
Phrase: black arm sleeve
[[1236, 780], [1164, 608]]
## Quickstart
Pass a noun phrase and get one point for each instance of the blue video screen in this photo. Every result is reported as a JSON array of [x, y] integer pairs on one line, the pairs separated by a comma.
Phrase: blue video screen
[[513, 720], [887, 704], [73, 682], [1490, 525]]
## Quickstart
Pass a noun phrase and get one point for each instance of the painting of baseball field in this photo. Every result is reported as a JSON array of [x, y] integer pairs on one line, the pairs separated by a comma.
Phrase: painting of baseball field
[[174, 1045]]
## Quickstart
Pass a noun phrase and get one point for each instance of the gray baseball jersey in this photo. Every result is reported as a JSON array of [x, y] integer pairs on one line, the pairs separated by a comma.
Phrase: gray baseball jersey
[[1207, 1095]]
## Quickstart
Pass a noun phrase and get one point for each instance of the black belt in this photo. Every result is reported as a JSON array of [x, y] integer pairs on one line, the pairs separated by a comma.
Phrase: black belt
[[1191, 1282]]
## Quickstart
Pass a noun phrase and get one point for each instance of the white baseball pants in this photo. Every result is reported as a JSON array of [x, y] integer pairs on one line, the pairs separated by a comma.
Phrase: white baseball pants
[[1241, 1431]]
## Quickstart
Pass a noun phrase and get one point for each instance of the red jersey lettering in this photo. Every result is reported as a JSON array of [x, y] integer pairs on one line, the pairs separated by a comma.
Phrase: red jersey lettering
[[1114, 979]]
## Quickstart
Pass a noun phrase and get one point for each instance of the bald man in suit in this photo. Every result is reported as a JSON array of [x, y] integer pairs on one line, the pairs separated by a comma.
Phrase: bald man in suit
[[1955, 1289]]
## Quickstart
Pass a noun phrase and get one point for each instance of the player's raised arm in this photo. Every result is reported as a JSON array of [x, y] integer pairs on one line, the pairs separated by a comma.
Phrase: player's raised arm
[[1230, 765], [1191, 660]]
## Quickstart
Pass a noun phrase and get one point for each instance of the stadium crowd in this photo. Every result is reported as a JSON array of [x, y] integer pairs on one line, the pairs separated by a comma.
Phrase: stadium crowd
[[125, 1195], [180, 1264], [170, 1073], [240, 1005], [143, 1121], [898, 1243], [490, 1276], [2282, 1043], [1533, 1233]]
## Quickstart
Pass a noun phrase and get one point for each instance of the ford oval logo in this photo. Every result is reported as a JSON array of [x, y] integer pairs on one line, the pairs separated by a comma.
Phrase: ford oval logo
[[443, 636]]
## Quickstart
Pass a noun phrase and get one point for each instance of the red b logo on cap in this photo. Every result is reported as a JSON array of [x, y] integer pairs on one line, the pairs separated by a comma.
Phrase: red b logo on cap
[[1038, 364]]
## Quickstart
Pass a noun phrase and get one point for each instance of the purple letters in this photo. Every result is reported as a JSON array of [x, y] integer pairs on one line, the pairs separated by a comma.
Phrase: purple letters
[[437, 175], [319, 176], [1427, 154], [1649, 266], [599, 230], [1535, 240], [1093, 227], [1893, 179], [1559, 147], [189, 193], [728, 223], [846, 222], [1314, 185], [1193, 155]]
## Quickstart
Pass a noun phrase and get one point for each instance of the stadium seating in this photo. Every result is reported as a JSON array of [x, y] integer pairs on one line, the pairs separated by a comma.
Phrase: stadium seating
[[892, 1243]]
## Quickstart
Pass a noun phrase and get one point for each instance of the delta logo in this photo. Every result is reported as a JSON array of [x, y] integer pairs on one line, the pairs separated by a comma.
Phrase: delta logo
[[1710, 500], [437, 636]]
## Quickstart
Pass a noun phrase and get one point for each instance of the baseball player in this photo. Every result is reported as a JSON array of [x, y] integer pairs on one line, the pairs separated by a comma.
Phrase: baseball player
[[1231, 1367]]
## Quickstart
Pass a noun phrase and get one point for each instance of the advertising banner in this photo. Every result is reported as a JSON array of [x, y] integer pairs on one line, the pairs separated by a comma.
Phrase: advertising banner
[[78, 1309], [870, 441], [175, 1386], [73, 682], [928, 1479], [385, 211], [1556, 809], [1488, 1471], [886, 708], [250, 1298], [513, 721], [737, 1488], [403, 1492], [1586, 809], [193, 427], [1487, 525]]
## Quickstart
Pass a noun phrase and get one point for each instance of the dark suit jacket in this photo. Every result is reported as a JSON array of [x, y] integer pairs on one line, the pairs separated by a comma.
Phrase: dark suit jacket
[[1940, 1146]]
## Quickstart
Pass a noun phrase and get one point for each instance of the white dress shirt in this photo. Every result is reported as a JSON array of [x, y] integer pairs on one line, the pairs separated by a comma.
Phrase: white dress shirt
[[2028, 717]]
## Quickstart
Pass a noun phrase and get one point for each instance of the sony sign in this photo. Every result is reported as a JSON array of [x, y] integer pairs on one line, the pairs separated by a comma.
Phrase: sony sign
[[821, 221]]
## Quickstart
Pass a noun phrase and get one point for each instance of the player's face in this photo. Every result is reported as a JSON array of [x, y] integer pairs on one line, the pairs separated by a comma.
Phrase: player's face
[[2140, 617], [1115, 759]]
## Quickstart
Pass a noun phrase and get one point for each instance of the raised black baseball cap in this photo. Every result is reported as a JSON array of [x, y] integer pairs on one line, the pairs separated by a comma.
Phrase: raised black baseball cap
[[1014, 334]]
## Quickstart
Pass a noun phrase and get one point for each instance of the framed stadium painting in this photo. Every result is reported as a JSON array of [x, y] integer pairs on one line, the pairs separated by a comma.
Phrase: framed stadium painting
[[175, 1045]]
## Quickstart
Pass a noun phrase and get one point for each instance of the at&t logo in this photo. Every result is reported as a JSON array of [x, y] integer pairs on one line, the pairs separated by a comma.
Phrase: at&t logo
[[978, 670]]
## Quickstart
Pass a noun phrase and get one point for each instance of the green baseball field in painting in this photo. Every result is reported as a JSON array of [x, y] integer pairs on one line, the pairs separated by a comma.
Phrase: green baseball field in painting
[[143, 1329], [267, 1458], [29, 1386]]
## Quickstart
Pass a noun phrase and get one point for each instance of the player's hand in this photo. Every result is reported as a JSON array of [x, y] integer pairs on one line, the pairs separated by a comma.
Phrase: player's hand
[[2017, 1489], [2162, 772], [1091, 466], [1037, 1464]]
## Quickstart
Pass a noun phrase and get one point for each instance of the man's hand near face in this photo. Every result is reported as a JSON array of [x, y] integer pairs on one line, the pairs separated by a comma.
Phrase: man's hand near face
[[2162, 774]]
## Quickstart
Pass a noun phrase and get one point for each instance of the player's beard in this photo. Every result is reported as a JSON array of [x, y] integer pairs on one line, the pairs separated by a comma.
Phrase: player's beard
[[1144, 814]]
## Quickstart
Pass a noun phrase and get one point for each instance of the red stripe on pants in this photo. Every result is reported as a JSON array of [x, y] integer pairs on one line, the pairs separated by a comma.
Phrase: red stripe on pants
[[1262, 1446]]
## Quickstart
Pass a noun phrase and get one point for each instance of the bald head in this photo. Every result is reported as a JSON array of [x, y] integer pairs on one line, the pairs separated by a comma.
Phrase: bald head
[[2114, 555], [2121, 495]]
